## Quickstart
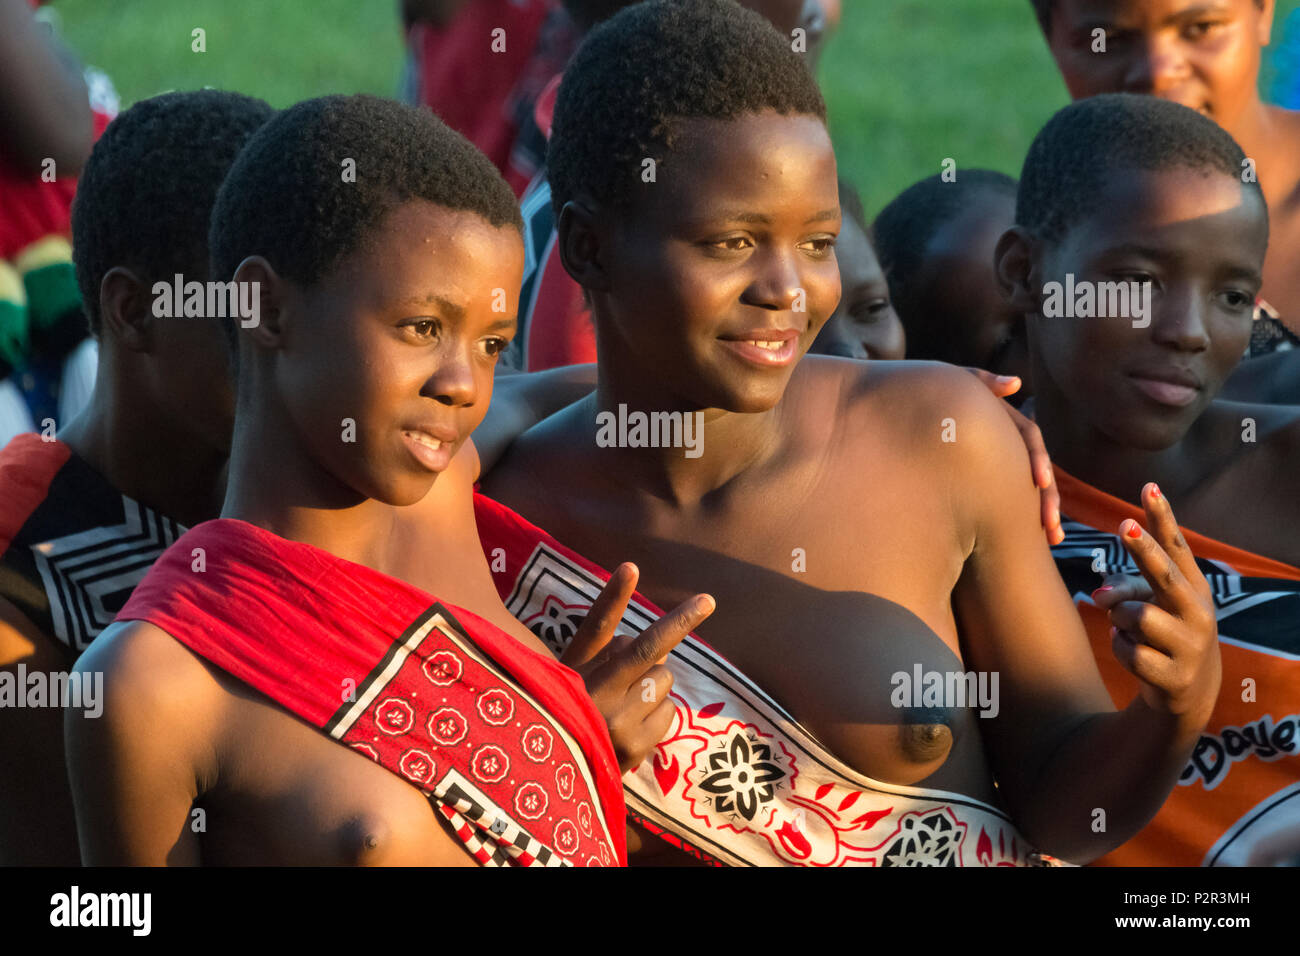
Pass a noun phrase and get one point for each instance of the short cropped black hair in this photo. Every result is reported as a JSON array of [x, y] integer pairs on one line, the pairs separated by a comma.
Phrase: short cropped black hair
[[1043, 10], [315, 180], [1081, 148], [903, 229], [587, 13], [145, 196], [851, 205], [652, 65]]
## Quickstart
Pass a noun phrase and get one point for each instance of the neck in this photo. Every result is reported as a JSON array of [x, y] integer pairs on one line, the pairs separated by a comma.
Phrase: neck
[[1256, 132], [726, 443], [142, 454], [275, 484]]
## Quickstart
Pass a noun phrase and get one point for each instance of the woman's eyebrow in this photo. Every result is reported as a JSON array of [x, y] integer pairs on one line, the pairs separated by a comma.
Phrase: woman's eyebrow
[[452, 309], [731, 215]]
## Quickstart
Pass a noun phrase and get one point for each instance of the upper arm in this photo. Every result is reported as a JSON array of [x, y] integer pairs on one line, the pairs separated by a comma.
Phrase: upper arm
[[521, 401], [36, 821], [43, 97], [131, 768], [1014, 613]]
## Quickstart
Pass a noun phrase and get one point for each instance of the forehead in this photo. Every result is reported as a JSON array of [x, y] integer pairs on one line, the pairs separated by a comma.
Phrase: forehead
[[423, 244], [1151, 14], [1206, 216], [748, 162]]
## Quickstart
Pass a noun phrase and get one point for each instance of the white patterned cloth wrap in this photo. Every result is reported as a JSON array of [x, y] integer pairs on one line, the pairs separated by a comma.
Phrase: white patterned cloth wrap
[[738, 781]]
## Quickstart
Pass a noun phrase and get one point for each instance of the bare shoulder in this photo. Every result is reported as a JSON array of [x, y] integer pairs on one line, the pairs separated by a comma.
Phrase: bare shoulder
[[929, 407], [1252, 427], [150, 676]]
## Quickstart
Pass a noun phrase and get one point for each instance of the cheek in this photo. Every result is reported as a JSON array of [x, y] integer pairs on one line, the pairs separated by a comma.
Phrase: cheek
[[1230, 76], [1230, 339], [824, 290], [886, 339], [1075, 357], [1088, 74]]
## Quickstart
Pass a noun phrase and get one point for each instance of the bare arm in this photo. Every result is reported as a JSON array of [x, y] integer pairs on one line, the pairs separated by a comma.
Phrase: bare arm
[[132, 774], [44, 106], [1059, 750], [521, 401], [37, 827]]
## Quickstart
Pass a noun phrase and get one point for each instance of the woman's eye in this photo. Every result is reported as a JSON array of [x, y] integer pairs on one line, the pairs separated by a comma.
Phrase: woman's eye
[[732, 243], [1202, 29], [872, 311], [1236, 299], [495, 347], [822, 245], [423, 328]]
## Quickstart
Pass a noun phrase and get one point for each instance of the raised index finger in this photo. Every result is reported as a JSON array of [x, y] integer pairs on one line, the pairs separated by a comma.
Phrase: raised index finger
[[1164, 528], [1170, 588], [597, 629], [659, 638]]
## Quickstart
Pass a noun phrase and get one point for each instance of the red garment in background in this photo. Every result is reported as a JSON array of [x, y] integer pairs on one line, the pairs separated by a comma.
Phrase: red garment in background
[[558, 322], [465, 82], [30, 208]]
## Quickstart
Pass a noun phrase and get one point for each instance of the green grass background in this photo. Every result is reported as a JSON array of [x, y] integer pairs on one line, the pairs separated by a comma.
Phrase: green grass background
[[908, 82]]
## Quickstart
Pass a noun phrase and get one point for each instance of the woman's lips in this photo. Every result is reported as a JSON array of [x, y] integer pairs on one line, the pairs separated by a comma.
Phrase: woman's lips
[[1171, 394], [768, 348], [433, 454]]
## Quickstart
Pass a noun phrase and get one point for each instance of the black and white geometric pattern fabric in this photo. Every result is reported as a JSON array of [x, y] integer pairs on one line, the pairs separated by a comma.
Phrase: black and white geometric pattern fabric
[[88, 575], [1262, 614]]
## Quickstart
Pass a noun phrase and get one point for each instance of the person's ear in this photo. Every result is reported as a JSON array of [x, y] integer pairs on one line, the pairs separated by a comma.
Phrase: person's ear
[[579, 244], [1267, 8], [125, 308], [265, 292], [1013, 264]]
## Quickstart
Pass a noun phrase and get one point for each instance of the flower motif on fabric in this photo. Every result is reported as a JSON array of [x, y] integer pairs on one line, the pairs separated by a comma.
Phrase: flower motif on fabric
[[557, 622], [537, 743], [443, 668], [565, 775], [447, 726], [417, 765], [496, 706], [366, 749], [930, 839], [394, 716], [566, 838], [530, 801], [490, 764], [742, 776]]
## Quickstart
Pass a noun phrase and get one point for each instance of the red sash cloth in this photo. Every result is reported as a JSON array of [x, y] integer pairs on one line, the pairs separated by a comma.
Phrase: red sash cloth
[[27, 466], [503, 740]]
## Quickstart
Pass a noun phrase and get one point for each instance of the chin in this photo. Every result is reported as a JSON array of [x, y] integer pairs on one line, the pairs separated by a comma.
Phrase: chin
[[751, 401], [406, 493], [1147, 434]]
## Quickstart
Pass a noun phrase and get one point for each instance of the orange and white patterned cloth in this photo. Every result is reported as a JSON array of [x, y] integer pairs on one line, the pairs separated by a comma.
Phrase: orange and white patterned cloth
[[1239, 796]]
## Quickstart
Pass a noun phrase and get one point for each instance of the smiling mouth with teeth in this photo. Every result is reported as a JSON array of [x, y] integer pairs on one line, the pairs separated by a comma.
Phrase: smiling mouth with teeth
[[770, 346], [424, 439]]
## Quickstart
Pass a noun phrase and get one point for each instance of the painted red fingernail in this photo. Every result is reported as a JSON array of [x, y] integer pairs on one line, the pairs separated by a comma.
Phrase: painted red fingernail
[[1103, 590], [1134, 531], [1155, 492]]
